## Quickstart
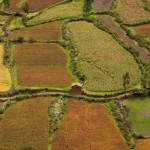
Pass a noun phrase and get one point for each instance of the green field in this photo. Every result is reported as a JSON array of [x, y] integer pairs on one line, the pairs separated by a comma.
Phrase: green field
[[140, 115]]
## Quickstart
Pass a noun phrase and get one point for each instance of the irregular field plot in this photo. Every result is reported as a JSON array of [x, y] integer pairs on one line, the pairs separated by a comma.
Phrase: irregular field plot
[[140, 115], [101, 59], [132, 11], [143, 144], [5, 77], [101, 5], [34, 5], [109, 22], [143, 29], [41, 65], [25, 124], [87, 126], [48, 31], [71, 9]]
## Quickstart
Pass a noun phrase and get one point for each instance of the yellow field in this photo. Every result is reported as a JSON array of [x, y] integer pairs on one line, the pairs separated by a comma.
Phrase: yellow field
[[101, 59], [143, 144], [5, 78], [67, 10], [132, 11], [26, 124]]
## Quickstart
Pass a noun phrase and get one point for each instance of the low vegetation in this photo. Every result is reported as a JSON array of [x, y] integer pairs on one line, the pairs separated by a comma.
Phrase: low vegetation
[[25, 124], [5, 77], [68, 10], [101, 59], [132, 11], [42, 64], [87, 126]]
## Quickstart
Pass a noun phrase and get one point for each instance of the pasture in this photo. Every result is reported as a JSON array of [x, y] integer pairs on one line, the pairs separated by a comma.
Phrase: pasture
[[5, 77], [47, 31], [34, 5], [42, 64], [87, 126], [101, 5], [143, 144], [25, 124], [101, 59], [140, 115], [68, 10], [132, 11]]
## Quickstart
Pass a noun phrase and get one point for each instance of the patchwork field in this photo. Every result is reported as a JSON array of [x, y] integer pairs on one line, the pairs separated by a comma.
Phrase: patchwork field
[[34, 5], [42, 64], [25, 124], [140, 115], [143, 29], [47, 31], [101, 59], [101, 5], [5, 77], [143, 144], [71, 9], [132, 11], [87, 126], [109, 22]]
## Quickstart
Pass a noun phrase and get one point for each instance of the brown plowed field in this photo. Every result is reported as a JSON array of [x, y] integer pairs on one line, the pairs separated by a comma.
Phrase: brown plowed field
[[87, 126], [108, 21], [101, 5], [25, 124], [41, 64], [143, 144], [34, 5], [48, 31], [143, 29]]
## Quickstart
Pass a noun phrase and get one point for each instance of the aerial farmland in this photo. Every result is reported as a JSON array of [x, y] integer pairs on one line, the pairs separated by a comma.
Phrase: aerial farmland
[[74, 74]]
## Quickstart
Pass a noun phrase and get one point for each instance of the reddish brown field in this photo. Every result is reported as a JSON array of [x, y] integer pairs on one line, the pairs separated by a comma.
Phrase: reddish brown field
[[87, 126], [101, 5], [41, 65], [26, 124], [48, 31], [108, 21], [143, 29], [143, 144], [34, 5]]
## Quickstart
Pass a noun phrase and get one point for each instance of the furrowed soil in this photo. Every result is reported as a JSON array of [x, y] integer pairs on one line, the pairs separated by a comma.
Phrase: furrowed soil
[[109, 22], [143, 144], [132, 11], [48, 31], [101, 5], [87, 126], [101, 59], [5, 77], [25, 124], [42, 64]]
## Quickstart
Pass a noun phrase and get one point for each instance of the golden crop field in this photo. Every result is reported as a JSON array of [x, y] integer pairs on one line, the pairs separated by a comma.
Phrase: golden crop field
[[101, 59], [25, 124], [132, 11], [143, 144], [87, 126], [71, 9], [5, 77]]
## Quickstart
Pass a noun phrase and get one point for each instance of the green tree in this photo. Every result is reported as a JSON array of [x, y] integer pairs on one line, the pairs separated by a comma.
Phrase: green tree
[[26, 8], [6, 3], [126, 80]]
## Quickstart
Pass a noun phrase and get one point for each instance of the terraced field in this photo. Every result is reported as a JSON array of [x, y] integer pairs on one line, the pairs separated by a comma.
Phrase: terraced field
[[41, 64], [34, 5], [5, 77], [132, 11], [25, 124], [52, 31], [68, 10], [143, 29], [96, 49], [90, 126], [143, 144]]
